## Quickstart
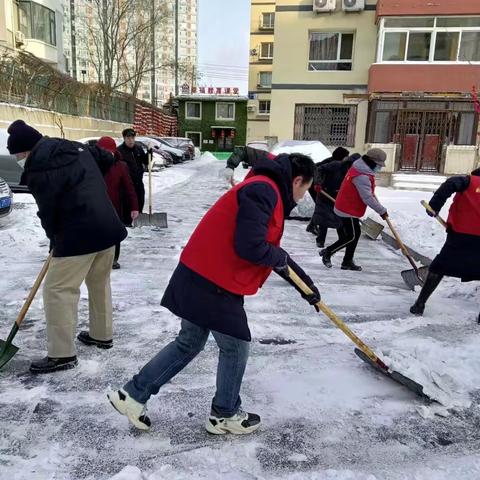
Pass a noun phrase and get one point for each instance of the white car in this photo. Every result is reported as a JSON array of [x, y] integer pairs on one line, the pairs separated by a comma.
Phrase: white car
[[177, 154]]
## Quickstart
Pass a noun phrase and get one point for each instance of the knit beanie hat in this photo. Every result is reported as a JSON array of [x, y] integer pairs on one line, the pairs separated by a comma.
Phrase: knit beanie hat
[[107, 143], [22, 137], [340, 153]]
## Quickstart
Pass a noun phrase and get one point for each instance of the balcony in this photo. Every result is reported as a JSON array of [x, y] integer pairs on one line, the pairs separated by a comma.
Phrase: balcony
[[427, 7], [427, 78]]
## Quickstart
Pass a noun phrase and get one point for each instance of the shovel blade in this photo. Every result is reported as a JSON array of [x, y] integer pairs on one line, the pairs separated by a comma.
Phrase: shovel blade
[[153, 220], [371, 228], [412, 278], [7, 351], [395, 376]]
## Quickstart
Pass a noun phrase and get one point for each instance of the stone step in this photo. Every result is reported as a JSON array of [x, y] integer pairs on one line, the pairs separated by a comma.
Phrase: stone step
[[412, 181]]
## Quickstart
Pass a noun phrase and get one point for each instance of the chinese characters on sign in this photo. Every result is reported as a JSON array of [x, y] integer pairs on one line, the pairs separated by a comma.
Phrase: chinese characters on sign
[[186, 90]]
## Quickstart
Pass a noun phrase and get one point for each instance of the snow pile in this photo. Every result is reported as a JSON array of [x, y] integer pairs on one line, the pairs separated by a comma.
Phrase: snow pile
[[304, 208], [317, 151], [208, 156], [441, 380]]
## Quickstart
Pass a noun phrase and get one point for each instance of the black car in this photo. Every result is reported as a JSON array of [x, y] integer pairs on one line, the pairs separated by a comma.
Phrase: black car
[[10, 170]]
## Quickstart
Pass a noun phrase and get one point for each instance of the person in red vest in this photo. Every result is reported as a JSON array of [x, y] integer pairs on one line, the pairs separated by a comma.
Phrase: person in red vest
[[460, 255], [356, 193], [119, 185], [230, 254]]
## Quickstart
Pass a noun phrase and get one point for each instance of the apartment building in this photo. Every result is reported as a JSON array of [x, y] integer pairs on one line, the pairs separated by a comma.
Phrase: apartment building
[[35, 27], [360, 72]]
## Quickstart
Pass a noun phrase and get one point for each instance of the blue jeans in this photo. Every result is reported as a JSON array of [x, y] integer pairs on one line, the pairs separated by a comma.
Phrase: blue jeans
[[173, 358]]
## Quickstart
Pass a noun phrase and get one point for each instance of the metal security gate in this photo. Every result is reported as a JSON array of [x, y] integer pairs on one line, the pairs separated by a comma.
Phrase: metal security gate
[[421, 136], [333, 125]]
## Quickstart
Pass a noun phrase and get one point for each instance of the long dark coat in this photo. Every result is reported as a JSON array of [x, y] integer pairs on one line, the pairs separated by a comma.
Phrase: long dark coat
[[73, 205]]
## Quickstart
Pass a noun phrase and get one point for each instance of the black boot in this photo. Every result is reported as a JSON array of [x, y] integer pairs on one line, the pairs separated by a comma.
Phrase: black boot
[[85, 338], [326, 258], [312, 228], [478, 319], [115, 265], [350, 265], [431, 283], [48, 364]]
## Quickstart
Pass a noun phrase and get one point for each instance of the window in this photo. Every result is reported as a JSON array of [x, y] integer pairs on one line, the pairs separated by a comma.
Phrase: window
[[37, 22], [429, 39], [266, 50], [195, 137], [225, 111], [265, 79], [268, 20], [330, 51], [193, 110], [264, 107], [333, 125]]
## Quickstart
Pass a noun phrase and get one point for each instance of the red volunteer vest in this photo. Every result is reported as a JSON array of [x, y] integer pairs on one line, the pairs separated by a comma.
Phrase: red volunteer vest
[[210, 251], [464, 214], [348, 199]]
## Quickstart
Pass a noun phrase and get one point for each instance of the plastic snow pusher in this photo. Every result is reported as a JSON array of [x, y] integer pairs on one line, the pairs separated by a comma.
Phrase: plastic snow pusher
[[151, 219], [363, 351], [7, 349]]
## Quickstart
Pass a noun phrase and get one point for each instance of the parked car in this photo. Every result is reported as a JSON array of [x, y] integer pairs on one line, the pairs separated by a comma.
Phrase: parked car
[[183, 143], [6, 198], [177, 154], [10, 170], [161, 158]]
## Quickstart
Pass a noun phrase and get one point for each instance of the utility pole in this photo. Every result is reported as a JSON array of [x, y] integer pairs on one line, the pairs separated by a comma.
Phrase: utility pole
[[176, 47], [153, 80]]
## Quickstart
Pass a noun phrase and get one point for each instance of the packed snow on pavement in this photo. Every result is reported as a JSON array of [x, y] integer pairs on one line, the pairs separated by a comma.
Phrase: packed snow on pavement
[[326, 415]]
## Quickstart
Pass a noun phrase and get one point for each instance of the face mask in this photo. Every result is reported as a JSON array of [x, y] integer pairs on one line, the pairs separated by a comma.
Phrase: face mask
[[377, 168], [22, 162]]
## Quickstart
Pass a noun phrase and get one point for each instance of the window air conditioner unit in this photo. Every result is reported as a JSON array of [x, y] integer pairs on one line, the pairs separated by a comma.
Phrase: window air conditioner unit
[[19, 38], [324, 5], [251, 108], [353, 5]]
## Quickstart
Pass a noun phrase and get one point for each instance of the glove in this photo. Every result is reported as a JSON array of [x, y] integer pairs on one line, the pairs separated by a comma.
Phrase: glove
[[282, 270], [134, 214], [227, 174], [317, 187], [314, 297], [384, 216]]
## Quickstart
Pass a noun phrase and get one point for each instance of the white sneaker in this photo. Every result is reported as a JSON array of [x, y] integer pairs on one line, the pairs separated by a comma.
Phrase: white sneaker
[[240, 424], [126, 405]]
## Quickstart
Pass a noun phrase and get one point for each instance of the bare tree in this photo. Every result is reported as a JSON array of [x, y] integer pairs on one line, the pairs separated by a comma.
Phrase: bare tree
[[118, 34]]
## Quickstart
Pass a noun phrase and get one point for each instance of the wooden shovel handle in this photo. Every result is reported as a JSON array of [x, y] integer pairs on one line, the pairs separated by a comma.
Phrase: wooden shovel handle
[[33, 291], [335, 319], [431, 210], [325, 194], [150, 161]]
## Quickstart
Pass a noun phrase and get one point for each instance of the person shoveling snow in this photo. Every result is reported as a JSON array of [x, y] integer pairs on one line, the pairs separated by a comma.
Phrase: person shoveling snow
[[460, 255]]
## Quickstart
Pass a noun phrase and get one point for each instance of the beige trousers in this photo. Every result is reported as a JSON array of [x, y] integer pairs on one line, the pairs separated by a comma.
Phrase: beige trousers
[[61, 293]]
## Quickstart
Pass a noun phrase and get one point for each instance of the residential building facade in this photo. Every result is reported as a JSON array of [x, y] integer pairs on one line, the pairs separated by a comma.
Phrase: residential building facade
[[35, 27], [213, 122], [357, 73]]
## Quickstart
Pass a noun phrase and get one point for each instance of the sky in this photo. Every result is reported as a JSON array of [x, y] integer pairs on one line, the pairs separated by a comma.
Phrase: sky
[[223, 43]]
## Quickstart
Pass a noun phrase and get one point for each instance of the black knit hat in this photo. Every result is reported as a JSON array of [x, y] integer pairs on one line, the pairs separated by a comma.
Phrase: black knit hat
[[340, 153], [22, 137]]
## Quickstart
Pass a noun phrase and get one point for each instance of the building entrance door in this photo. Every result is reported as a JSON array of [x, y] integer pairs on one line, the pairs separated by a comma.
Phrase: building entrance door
[[421, 136]]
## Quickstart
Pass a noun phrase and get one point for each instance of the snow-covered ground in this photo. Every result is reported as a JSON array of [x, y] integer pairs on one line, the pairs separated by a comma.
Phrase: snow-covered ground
[[326, 415]]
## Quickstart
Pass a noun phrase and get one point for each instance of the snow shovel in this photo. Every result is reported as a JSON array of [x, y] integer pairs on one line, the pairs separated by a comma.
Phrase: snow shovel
[[427, 206], [151, 219], [371, 228], [415, 276], [363, 351], [7, 349]]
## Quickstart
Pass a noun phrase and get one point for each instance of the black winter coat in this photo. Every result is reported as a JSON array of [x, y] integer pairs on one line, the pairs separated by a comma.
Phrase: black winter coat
[[194, 298], [72, 200], [330, 177], [460, 255], [135, 158]]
